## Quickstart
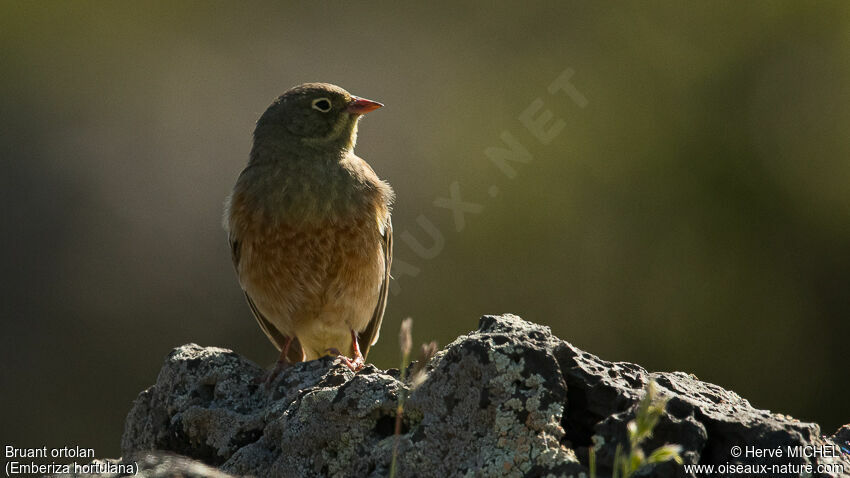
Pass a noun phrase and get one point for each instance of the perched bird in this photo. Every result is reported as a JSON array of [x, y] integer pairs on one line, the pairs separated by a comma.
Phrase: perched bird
[[309, 228]]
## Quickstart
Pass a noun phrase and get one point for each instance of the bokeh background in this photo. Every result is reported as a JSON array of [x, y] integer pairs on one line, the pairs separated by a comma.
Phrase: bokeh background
[[694, 215]]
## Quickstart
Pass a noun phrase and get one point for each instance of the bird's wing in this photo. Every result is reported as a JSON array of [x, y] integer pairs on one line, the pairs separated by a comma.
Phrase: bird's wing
[[370, 334], [278, 339]]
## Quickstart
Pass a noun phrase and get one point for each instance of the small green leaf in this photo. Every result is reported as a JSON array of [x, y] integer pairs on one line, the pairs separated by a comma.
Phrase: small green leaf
[[632, 428], [636, 460], [666, 453]]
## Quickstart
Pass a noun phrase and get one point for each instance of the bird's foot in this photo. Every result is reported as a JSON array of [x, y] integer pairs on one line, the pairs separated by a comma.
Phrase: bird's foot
[[354, 364], [274, 373], [283, 363]]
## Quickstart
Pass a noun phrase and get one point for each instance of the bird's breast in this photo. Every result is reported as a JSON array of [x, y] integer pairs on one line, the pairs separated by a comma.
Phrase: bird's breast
[[310, 261]]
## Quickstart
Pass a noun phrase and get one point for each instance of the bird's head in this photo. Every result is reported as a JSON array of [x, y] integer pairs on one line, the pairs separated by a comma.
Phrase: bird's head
[[318, 116]]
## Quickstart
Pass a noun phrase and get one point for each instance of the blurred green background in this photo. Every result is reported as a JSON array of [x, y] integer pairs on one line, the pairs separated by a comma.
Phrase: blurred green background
[[694, 215]]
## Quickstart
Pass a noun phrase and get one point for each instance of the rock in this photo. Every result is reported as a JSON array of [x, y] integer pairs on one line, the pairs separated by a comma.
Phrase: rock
[[509, 399], [152, 465]]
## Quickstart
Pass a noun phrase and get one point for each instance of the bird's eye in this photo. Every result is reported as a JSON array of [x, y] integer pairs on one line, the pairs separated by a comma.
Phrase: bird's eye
[[322, 104]]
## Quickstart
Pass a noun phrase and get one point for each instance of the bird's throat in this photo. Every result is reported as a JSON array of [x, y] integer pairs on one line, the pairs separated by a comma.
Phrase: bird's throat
[[343, 135]]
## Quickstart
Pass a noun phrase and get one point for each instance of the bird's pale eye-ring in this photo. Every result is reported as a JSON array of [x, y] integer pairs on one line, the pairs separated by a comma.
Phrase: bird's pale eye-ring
[[321, 104]]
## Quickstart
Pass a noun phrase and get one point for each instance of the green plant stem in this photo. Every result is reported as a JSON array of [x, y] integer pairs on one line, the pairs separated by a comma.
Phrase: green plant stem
[[402, 395], [591, 458]]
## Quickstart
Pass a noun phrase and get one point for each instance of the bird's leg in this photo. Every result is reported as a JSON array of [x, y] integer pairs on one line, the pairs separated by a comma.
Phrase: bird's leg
[[355, 363], [282, 364]]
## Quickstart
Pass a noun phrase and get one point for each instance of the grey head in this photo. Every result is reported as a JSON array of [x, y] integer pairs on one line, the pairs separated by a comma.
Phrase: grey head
[[317, 117]]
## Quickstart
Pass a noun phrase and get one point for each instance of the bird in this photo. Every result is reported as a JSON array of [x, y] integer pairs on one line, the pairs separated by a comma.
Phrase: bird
[[309, 228]]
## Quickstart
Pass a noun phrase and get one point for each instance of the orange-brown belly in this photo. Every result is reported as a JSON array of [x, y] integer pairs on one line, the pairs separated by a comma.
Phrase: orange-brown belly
[[314, 281]]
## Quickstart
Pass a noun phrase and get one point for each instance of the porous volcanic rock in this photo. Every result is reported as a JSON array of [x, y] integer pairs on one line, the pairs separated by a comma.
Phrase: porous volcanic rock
[[509, 399]]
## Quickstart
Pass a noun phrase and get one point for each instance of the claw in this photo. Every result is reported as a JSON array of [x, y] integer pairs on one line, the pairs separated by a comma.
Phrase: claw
[[354, 364], [279, 368], [283, 363]]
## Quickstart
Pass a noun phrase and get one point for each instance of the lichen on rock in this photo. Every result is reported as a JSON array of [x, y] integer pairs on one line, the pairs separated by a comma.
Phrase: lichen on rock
[[509, 399]]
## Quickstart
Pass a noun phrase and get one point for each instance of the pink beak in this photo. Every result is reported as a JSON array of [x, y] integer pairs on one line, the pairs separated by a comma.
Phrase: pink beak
[[361, 106]]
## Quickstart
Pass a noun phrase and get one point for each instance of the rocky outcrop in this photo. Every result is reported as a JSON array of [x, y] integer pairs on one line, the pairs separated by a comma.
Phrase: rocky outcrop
[[509, 399]]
